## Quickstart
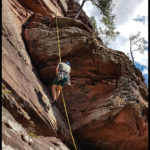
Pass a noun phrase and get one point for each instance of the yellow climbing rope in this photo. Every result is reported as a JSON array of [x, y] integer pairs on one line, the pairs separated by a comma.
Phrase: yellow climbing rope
[[59, 54], [58, 42]]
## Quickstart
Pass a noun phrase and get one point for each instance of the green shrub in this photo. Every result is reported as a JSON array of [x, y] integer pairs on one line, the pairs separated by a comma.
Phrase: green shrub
[[5, 91], [31, 130]]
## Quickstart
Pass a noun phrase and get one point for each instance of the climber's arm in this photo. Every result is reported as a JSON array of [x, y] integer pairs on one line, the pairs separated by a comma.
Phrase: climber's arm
[[68, 80], [57, 69]]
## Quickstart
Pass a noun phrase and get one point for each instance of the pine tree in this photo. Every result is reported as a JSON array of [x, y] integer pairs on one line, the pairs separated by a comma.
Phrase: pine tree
[[107, 30], [137, 43]]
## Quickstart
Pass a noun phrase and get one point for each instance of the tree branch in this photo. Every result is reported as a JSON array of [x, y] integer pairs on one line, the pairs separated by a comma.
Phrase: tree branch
[[80, 9], [135, 50], [131, 52], [97, 5]]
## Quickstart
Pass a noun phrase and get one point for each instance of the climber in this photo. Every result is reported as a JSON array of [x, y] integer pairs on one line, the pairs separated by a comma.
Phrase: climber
[[62, 78]]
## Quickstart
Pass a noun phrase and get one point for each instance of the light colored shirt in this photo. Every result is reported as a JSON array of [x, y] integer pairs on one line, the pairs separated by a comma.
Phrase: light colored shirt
[[64, 67]]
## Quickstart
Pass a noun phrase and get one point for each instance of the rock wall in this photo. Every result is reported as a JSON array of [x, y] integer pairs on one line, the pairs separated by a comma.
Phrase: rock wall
[[73, 8], [16, 137], [28, 100], [105, 97], [107, 101]]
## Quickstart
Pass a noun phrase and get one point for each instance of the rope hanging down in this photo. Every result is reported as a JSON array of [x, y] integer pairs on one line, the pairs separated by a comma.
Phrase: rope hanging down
[[58, 42], [59, 54]]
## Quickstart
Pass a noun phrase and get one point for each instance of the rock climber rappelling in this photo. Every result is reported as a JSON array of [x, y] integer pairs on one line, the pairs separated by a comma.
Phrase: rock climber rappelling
[[62, 78]]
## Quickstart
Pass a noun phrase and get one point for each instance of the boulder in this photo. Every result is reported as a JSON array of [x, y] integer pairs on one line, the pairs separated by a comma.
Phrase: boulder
[[48, 49], [24, 95], [73, 7], [107, 102], [14, 136]]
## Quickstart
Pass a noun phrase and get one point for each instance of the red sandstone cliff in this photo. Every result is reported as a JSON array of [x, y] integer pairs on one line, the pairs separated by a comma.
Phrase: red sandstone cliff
[[107, 102]]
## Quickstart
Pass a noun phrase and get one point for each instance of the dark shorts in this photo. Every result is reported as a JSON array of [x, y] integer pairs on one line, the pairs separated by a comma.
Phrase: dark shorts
[[61, 82]]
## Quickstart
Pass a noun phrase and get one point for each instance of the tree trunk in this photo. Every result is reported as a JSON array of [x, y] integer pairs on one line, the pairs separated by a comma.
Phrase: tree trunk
[[131, 52], [79, 11]]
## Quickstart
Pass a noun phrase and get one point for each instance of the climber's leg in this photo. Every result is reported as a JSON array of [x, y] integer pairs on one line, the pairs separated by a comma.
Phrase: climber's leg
[[54, 91], [58, 91], [60, 86]]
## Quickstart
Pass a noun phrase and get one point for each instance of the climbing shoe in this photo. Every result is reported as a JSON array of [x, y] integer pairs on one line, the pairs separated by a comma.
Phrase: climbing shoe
[[54, 103]]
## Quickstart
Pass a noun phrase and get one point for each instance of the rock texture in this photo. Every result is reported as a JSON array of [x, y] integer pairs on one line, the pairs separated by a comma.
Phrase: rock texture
[[16, 137], [106, 103], [45, 7], [28, 100], [73, 8], [105, 97]]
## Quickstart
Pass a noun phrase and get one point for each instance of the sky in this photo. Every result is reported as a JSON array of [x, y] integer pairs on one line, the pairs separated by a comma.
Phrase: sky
[[129, 20]]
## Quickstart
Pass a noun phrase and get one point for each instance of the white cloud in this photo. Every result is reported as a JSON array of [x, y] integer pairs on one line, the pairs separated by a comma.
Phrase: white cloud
[[121, 43], [145, 71], [91, 10], [141, 58], [131, 27], [125, 11], [142, 9]]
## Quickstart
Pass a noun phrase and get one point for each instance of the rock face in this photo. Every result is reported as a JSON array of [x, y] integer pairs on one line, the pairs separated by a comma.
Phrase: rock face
[[28, 100], [73, 8], [106, 103], [15, 137], [45, 7]]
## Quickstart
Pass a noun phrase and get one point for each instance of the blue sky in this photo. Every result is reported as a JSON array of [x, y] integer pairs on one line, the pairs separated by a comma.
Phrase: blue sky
[[140, 19], [131, 17], [142, 68]]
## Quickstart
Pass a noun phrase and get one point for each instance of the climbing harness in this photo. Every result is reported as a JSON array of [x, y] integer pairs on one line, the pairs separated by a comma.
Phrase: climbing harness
[[59, 55]]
